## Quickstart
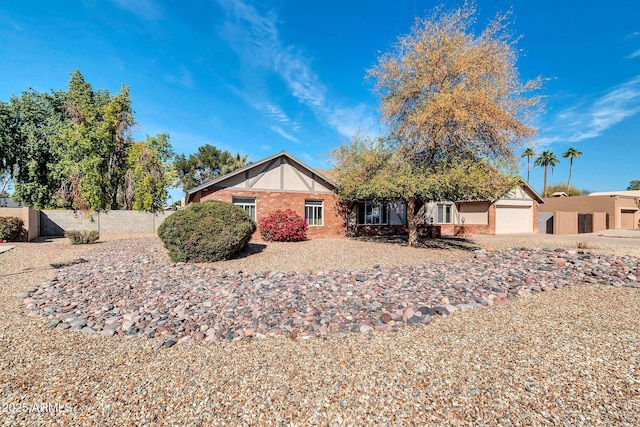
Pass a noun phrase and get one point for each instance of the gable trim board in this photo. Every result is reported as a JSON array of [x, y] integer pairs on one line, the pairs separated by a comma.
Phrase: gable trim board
[[283, 182]]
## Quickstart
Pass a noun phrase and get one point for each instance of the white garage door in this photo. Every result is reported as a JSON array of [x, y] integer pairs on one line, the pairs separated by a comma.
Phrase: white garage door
[[514, 219]]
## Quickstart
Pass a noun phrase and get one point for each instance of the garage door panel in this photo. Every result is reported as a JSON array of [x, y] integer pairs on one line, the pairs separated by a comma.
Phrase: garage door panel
[[514, 219]]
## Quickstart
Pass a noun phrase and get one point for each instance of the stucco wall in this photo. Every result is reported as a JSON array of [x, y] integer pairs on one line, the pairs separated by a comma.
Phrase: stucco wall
[[565, 222], [29, 216], [56, 222], [612, 205]]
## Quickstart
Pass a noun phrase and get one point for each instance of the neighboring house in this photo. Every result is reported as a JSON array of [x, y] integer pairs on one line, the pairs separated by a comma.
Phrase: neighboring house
[[281, 181], [7, 202], [622, 208]]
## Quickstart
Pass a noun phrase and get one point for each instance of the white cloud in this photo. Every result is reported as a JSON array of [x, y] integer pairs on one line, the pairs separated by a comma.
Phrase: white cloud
[[184, 79], [255, 38], [633, 54], [145, 9], [284, 134], [578, 123]]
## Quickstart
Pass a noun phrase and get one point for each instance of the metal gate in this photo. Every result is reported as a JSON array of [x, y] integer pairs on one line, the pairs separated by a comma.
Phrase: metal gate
[[585, 223]]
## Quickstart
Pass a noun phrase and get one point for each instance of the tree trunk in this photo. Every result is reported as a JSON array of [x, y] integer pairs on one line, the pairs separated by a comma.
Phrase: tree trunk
[[411, 221], [570, 170], [544, 190], [528, 170]]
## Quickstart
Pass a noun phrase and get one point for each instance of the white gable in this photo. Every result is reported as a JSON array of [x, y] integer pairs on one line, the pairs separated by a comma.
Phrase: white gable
[[278, 174]]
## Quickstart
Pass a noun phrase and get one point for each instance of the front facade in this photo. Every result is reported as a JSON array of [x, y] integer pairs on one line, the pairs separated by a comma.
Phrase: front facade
[[283, 182], [279, 182]]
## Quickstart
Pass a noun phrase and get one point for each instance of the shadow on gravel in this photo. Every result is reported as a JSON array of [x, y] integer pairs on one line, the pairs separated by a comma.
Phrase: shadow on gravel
[[250, 249], [67, 264], [446, 243]]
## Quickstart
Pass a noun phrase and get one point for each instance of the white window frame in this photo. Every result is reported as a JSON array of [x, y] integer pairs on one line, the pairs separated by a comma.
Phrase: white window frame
[[380, 205], [314, 212], [446, 208], [248, 204]]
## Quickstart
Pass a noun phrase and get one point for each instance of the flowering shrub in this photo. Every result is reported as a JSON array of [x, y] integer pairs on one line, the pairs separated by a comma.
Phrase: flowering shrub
[[12, 228], [283, 226]]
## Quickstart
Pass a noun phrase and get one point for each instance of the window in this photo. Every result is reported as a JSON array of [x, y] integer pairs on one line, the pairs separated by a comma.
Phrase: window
[[313, 212], [370, 213], [248, 204], [444, 213]]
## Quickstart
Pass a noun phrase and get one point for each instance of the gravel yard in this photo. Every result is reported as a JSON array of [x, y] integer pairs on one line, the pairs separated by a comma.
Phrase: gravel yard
[[570, 356]]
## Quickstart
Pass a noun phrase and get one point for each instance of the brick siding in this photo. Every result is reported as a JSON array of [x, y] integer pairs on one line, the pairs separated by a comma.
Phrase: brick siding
[[268, 202]]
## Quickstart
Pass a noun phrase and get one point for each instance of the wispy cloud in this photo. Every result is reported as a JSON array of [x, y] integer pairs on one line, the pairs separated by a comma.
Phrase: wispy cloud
[[276, 113], [145, 9], [184, 78], [284, 134], [578, 123], [632, 35], [255, 38], [633, 54]]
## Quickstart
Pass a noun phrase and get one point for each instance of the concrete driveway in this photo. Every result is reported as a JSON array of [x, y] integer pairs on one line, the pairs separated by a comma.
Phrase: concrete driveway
[[608, 237]]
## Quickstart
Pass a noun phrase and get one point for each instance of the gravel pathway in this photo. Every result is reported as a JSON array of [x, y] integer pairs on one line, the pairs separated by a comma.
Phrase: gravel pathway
[[570, 356]]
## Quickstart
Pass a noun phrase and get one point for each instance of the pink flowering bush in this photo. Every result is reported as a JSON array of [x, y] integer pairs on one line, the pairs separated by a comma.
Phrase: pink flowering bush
[[283, 226]]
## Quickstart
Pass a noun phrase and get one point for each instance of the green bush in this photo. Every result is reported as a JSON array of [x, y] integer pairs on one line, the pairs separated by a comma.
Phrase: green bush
[[206, 232], [12, 229], [82, 237]]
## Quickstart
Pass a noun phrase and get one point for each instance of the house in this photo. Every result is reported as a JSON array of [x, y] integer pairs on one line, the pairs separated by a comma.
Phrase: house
[[621, 209], [283, 182]]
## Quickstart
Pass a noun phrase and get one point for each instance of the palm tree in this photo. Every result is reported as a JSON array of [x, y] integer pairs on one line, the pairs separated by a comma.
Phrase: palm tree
[[571, 153], [529, 154], [546, 159]]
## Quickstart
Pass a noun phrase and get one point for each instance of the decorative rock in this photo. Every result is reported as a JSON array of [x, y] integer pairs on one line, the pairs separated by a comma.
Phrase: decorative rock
[[441, 310]]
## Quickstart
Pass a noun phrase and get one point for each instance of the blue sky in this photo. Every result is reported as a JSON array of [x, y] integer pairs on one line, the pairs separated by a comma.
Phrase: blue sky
[[260, 77]]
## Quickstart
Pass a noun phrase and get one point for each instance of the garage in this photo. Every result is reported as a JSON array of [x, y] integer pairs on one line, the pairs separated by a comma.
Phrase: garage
[[514, 219], [627, 220]]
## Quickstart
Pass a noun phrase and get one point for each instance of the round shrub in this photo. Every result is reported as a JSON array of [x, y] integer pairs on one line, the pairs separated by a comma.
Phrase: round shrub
[[283, 226], [12, 229], [206, 232]]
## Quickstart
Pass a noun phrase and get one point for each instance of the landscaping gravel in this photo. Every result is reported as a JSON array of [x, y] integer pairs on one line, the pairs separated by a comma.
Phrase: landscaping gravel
[[564, 357]]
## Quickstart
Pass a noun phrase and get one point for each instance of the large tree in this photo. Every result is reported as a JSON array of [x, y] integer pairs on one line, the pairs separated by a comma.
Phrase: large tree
[[546, 159], [206, 164], [93, 144], [69, 147], [452, 100], [37, 118], [571, 153]]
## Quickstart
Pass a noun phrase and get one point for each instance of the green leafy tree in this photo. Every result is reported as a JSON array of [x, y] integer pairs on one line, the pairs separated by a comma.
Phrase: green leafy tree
[[37, 118], [374, 170], [529, 154], [8, 134], [454, 105], [634, 185], [571, 153], [546, 159], [92, 144], [206, 164], [149, 174], [68, 148]]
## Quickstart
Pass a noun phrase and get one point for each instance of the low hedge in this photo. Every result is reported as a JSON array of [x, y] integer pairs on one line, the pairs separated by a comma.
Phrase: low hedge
[[82, 237], [206, 232]]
